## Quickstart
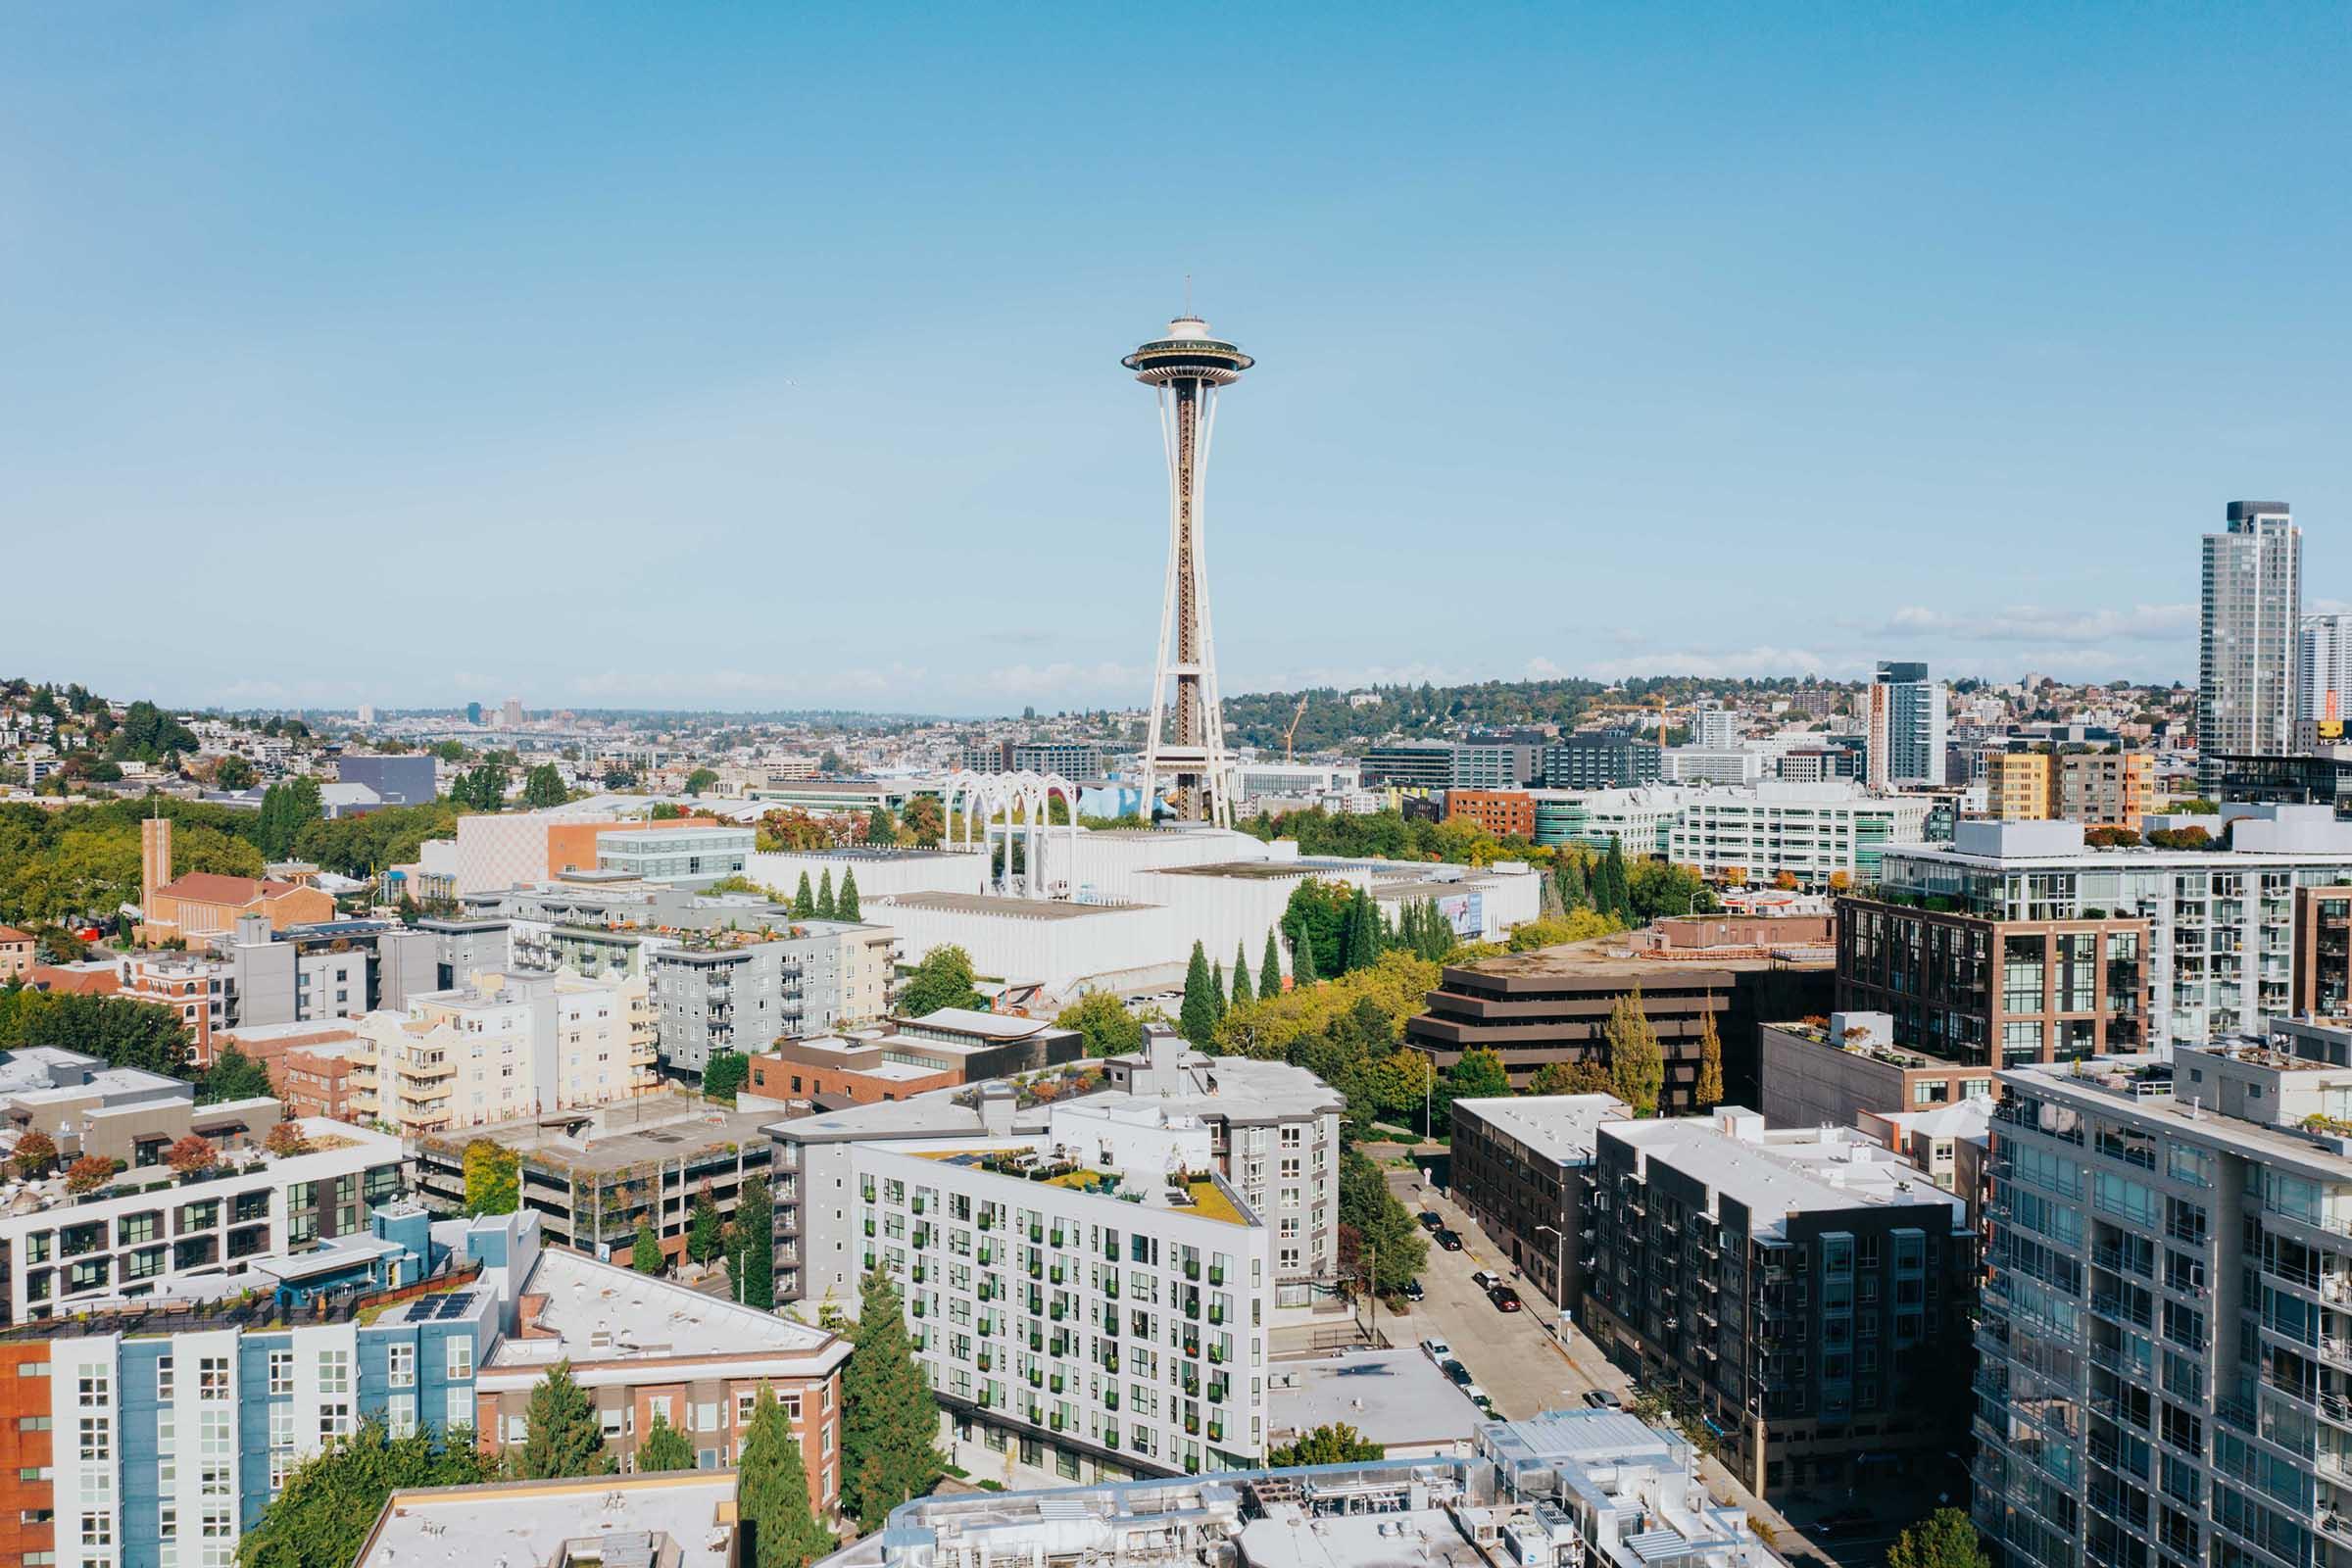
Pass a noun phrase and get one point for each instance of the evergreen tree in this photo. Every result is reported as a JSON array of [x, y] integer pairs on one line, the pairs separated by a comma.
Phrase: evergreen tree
[[1241, 990], [1636, 1062], [879, 829], [888, 1421], [771, 1492], [845, 908], [754, 1256], [1302, 961], [1707, 1094], [1363, 933], [663, 1447], [825, 909], [1197, 1020], [1216, 989], [702, 1231], [1621, 893], [645, 1255], [803, 902], [1574, 893], [563, 1437], [1269, 969]]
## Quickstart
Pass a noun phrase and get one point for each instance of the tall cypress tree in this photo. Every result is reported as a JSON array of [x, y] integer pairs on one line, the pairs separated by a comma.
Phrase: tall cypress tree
[[1240, 975], [754, 1259], [564, 1438], [645, 1254], [1197, 1020], [845, 908], [1303, 960], [803, 902], [1216, 989], [888, 1421], [1621, 893], [825, 909], [1269, 969], [703, 1231], [771, 1492], [1363, 933]]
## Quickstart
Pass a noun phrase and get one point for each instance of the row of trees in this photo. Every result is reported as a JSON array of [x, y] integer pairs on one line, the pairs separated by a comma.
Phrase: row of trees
[[823, 904]]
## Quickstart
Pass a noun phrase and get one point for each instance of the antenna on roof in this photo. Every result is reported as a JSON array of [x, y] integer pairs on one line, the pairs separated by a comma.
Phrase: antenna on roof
[[1187, 294]]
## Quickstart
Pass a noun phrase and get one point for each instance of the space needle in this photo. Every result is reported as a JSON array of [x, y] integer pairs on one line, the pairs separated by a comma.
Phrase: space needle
[[1184, 750]]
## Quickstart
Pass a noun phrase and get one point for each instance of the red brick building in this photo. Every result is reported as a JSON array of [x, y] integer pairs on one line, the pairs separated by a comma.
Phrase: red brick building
[[1502, 813]]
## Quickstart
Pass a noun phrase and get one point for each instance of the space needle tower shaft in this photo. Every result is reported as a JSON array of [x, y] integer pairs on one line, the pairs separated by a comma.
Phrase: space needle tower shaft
[[1184, 758]]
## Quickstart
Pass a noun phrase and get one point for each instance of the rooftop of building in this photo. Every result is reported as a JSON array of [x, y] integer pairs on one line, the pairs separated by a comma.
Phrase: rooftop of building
[[864, 852], [2145, 1083], [654, 1128], [1780, 1175], [295, 1033], [1393, 1397], [1609, 958], [677, 1520], [1873, 1046], [1244, 871], [974, 1021], [1970, 1116], [1560, 1127], [1004, 908], [589, 1311]]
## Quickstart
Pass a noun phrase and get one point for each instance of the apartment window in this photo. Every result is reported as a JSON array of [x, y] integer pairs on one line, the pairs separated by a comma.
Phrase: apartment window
[[162, 1380], [212, 1377], [459, 1409], [281, 1373], [98, 1532], [334, 1419], [282, 1426], [95, 1390], [401, 1367], [400, 1414], [97, 1438], [461, 1357], [334, 1371]]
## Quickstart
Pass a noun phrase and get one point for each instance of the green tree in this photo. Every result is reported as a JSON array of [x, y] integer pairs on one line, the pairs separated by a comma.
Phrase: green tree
[[1103, 1024], [1335, 1443], [724, 1075], [1572, 1078], [943, 979], [663, 1447], [233, 1075], [236, 773], [771, 1492], [1386, 1242], [1316, 918], [1241, 989], [287, 808], [845, 908], [1269, 970], [889, 1420], [879, 829], [1304, 972], [1197, 1020], [1708, 1093], [703, 1231], [1217, 993], [1477, 1074], [331, 1501], [803, 902], [701, 779], [1364, 932], [1946, 1539], [646, 1256], [825, 907], [493, 1178], [1636, 1062], [753, 1257], [563, 1437], [543, 787]]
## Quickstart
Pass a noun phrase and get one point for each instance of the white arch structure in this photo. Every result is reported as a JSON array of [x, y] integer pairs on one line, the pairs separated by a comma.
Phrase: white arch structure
[[1023, 803]]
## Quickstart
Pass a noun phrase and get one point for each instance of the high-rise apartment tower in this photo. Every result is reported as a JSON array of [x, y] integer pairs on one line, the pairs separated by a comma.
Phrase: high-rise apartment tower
[[2249, 616], [1184, 750], [1906, 726]]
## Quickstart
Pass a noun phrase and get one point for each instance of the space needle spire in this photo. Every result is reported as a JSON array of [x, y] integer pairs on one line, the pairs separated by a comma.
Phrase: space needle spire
[[1184, 749]]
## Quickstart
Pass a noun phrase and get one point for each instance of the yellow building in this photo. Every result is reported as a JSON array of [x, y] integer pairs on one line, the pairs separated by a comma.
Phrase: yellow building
[[2019, 786], [2098, 789]]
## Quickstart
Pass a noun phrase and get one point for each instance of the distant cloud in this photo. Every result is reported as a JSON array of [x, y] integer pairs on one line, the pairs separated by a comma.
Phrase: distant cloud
[[2034, 623]]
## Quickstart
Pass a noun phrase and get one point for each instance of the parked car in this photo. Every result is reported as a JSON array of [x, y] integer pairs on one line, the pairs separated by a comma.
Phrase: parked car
[[1456, 1371], [1505, 1299], [1430, 1220], [1604, 1399], [1414, 1290], [1448, 1241], [1436, 1351], [1478, 1396], [1483, 1280]]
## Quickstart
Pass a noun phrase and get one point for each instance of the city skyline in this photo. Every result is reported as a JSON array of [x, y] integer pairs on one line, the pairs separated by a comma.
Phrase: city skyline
[[315, 314]]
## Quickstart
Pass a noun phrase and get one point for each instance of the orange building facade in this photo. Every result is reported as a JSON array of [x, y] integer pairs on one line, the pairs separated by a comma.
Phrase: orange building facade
[[1501, 812]]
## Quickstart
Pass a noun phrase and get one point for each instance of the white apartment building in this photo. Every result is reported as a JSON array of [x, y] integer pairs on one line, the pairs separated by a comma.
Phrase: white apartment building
[[1811, 831], [1078, 1273], [2248, 619], [504, 1046], [1714, 764], [2322, 681], [151, 1232]]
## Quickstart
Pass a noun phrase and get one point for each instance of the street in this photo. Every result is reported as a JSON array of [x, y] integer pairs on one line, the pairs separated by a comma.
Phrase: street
[[1524, 1371]]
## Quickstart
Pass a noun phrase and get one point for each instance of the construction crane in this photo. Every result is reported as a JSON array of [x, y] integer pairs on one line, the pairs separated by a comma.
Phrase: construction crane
[[1291, 732]]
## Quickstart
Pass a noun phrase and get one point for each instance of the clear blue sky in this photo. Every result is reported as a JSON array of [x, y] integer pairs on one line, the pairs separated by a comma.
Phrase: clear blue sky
[[744, 356]]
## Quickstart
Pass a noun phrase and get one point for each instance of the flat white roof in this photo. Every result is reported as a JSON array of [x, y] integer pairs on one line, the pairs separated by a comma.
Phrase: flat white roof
[[601, 1312], [531, 1524], [1560, 1127]]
